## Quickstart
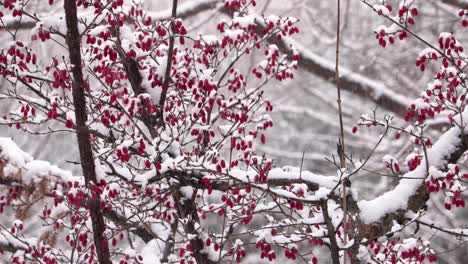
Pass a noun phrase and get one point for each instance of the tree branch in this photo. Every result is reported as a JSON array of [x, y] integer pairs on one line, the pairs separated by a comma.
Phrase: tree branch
[[8, 248], [187, 209], [144, 233], [84, 144], [184, 11], [132, 70], [456, 3], [334, 249], [446, 151], [167, 75]]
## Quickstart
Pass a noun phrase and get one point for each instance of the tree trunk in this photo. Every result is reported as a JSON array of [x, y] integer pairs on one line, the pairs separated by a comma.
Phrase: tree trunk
[[82, 131]]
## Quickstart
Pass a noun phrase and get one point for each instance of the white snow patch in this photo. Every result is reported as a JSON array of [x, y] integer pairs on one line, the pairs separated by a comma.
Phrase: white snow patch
[[373, 210]]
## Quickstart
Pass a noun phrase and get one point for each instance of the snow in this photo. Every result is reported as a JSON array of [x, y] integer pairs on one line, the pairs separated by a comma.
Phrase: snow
[[12, 154], [210, 39], [265, 207], [435, 173], [31, 170], [388, 159], [233, 34], [292, 173], [150, 252], [335, 213], [316, 219], [187, 192], [59, 210], [7, 239], [420, 104], [321, 193], [373, 210], [426, 52], [245, 21], [40, 169], [378, 89], [445, 35], [382, 9], [56, 23], [185, 7], [459, 231]]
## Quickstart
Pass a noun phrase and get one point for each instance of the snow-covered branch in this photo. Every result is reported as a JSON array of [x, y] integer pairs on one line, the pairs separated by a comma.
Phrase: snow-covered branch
[[186, 9], [411, 193]]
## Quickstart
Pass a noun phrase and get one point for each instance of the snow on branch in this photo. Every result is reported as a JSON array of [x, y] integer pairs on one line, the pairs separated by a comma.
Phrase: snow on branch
[[10, 244], [319, 186], [186, 9], [17, 165], [411, 193], [313, 63]]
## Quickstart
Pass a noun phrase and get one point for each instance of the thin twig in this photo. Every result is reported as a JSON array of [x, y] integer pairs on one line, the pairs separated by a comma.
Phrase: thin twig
[[167, 75], [341, 143]]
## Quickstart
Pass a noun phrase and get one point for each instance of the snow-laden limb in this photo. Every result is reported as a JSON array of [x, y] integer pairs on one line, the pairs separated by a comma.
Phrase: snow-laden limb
[[10, 22], [445, 149], [11, 153], [292, 174], [278, 177], [18, 168], [19, 165], [11, 244], [319, 186], [148, 253], [185, 10]]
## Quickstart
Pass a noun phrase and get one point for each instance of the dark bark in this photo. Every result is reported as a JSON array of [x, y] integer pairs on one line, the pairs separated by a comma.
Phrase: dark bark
[[328, 74], [140, 230], [456, 3], [167, 75], [9, 248], [170, 241], [82, 131], [134, 77], [195, 10], [187, 209], [415, 203], [334, 249], [359, 231]]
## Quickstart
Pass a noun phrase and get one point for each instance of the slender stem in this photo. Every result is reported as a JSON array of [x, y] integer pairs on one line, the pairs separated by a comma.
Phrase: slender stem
[[338, 89], [341, 148], [167, 75]]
